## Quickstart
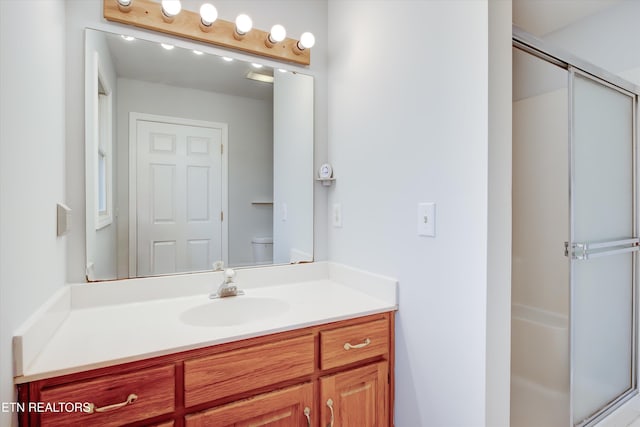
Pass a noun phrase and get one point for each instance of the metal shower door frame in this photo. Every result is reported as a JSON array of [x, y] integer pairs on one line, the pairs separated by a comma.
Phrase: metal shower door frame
[[586, 250]]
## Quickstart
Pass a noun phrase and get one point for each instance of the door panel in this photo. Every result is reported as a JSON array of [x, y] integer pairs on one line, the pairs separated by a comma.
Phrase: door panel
[[603, 232], [178, 197], [355, 398]]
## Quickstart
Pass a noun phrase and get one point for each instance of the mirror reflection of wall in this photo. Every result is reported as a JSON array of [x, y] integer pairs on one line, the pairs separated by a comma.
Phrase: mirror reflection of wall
[[192, 161]]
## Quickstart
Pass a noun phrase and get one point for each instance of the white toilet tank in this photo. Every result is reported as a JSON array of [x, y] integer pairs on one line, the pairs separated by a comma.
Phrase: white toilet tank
[[262, 250]]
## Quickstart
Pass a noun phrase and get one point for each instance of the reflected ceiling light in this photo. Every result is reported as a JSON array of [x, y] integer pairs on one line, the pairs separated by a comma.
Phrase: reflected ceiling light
[[256, 65], [208, 15], [197, 52], [243, 26], [226, 58], [282, 70], [127, 38], [264, 78], [170, 8], [124, 5], [167, 46], [276, 35]]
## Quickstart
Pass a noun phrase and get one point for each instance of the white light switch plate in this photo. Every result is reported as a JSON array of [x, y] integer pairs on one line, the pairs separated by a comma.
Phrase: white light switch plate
[[427, 219]]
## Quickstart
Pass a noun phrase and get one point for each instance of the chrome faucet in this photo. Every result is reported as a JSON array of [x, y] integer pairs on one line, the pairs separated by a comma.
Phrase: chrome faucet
[[228, 287]]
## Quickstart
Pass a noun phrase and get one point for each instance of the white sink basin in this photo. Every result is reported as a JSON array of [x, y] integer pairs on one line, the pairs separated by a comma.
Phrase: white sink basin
[[234, 311]]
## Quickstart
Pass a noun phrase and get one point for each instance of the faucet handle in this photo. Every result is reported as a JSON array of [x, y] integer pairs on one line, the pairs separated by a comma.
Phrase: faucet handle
[[229, 274]]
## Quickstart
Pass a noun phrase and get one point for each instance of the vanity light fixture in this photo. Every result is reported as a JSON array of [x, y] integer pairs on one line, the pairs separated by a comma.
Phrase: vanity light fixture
[[206, 27], [170, 8], [208, 15], [307, 40], [276, 35], [124, 5], [243, 26]]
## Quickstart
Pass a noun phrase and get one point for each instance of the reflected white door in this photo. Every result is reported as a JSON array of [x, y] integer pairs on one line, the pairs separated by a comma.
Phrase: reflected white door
[[603, 242], [179, 197]]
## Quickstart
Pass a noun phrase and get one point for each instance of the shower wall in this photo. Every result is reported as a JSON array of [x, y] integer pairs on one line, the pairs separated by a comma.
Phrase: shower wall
[[540, 274], [540, 270]]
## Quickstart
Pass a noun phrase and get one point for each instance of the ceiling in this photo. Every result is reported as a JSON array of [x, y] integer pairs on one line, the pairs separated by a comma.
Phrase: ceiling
[[144, 60], [542, 17]]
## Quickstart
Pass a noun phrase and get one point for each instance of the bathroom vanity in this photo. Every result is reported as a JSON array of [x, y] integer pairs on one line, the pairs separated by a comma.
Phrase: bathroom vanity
[[325, 358]]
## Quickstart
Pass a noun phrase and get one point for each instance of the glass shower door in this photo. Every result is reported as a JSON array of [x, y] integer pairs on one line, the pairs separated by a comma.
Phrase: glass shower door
[[603, 245]]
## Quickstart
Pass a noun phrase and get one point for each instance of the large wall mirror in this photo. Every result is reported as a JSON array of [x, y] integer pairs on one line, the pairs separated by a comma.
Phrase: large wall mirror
[[193, 160]]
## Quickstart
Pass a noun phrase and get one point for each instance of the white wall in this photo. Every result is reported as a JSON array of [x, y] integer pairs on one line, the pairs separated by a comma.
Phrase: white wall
[[101, 243], [249, 154], [408, 123], [498, 350], [298, 16], [32, 161], [608, 39]]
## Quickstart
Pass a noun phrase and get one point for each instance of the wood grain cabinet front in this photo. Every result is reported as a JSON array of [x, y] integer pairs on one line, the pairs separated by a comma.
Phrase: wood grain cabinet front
[[349, 344], [112, 400], [355, 398], [233, 372], [338, 375], [290, 407]]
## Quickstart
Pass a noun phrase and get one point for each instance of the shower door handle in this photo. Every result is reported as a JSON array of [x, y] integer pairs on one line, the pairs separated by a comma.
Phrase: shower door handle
[[588, 250]]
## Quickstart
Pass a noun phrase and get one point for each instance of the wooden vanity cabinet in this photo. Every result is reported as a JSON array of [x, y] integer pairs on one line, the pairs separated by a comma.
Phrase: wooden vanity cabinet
[[299, 378], [289, 407], [356, 397]]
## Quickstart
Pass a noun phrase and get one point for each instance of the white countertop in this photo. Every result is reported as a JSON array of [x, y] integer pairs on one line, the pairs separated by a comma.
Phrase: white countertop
[[91, 335]]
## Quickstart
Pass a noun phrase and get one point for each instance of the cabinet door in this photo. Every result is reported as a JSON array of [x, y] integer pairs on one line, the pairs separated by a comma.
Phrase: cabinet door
[[355, 398], [290, 407]]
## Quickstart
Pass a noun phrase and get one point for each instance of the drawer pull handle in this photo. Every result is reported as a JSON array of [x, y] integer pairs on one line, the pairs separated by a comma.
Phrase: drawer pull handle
[[130, 399], [349, 346], [307, 413], [330, 405]]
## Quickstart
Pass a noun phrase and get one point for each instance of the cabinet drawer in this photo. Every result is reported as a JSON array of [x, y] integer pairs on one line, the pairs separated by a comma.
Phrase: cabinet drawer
[[154, 391], [287, 407], [350, 344], [229, 373]]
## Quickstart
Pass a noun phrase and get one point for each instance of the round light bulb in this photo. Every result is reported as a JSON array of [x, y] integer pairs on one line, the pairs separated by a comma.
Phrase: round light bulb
[[171, 7], [208, 14], [307, 40], [243, 24], [278, 33]]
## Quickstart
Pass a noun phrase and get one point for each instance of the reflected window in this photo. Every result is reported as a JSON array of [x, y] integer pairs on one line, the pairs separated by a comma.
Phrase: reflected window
[[103, 157]]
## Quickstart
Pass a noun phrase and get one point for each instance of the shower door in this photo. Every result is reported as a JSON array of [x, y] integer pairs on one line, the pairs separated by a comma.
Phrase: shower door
[[602, 245]]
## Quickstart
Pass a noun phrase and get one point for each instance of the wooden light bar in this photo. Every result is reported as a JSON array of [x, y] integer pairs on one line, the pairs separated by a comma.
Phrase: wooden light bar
[[148, 15]]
